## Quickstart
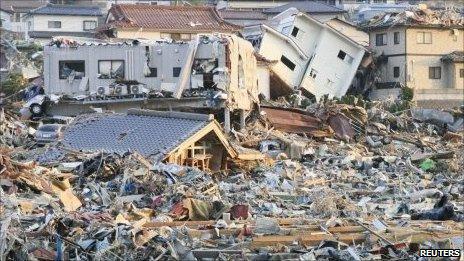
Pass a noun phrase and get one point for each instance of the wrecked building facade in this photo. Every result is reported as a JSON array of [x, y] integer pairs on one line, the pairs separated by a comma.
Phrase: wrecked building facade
[[311, 55], [224, 68]]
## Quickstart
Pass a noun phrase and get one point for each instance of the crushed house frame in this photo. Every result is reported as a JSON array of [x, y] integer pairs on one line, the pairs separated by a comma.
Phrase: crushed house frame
[[187, 139]]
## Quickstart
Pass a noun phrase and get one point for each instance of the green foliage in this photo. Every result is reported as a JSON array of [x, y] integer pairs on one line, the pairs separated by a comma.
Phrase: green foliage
[[407, 94], [14, 83]]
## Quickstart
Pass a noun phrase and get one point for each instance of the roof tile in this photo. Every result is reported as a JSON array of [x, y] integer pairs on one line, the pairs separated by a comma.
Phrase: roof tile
[[170, 18]]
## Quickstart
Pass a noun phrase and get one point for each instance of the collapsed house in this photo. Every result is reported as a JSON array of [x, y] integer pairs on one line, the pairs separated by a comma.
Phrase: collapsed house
[[221, 71], [312, 56], [187, 139]]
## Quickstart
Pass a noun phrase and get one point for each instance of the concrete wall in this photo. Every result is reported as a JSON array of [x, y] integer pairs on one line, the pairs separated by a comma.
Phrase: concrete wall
[[68, 23], [458, 79], [134, 34], [385, 70], [135, 61], [391, 48], [444, 41]]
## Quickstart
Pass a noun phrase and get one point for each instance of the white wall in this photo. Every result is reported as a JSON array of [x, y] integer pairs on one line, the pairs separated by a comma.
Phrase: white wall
[[68, 23], [273, 47], [6, 20], [264, 81], [321, 46], [334, 75]]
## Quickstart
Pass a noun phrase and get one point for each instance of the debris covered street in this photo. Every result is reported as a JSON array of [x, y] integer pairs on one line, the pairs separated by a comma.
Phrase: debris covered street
[[219, 147]]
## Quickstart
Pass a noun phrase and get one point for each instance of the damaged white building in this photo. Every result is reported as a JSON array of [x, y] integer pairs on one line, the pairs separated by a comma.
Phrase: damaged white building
[[311, 55], [222, 68]]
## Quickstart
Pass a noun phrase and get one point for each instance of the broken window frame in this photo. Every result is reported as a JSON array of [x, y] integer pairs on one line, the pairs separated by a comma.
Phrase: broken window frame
[[54, 24], [91, 28], [381, 39], [295, 31], [112, 73], [435, 72], [396, 71], [396, 37], [344, 56], [176, 71], [153, 72], [287, 62], [422, 39], [61, 65]]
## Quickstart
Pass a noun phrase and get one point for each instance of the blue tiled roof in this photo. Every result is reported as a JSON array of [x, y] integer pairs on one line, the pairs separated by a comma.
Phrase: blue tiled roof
[[151, 136], [51, 9]]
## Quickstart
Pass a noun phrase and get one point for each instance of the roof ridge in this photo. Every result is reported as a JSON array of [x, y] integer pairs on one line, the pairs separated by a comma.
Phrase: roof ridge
[[172, 7], [171, 114]]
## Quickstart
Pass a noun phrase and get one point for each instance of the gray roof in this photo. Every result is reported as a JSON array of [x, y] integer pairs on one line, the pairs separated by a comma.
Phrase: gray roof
[[309, 7], [153, 134], [49, 34], [52, 9]]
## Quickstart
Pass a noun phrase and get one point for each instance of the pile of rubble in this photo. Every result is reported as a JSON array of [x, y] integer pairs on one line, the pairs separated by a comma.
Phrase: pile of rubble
[[334, 181], [419, 15]]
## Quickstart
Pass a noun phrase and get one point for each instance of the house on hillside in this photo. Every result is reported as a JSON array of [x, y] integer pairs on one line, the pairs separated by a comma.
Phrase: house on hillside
[[311, 55], [157, 22], [426, 57], [52, 20]]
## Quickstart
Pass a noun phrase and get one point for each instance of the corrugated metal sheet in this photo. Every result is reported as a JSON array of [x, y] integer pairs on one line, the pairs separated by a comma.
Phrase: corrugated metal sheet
[[292, 121]]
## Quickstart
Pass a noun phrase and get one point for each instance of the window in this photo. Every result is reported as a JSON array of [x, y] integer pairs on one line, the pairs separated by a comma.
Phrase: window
[[185, 36], [176, 71], [54, 24], [461, 73], [396, 37], [287, 63], [424, 38], [111, 69], [396, 72], [380, 39], [435, 72], [295, 31], [345, 57], [90, 25], [313, 73], [29, 25], [153, 72], [75, 69], [17, 17], [165, 35]]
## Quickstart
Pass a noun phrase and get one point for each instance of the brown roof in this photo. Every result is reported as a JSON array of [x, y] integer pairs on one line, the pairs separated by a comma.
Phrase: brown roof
[[168, 18]]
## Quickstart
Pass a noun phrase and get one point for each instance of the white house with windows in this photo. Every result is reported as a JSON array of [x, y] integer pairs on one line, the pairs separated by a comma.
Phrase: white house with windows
[[426, 57], [311, 55], [62, 20]]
